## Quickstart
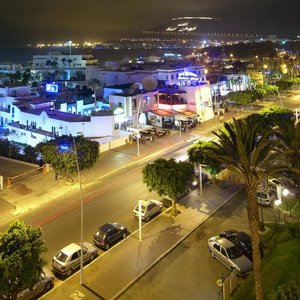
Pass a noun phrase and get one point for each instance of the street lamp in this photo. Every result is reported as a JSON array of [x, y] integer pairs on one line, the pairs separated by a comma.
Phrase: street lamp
[[70, 46], [81, 213], [200, 179]]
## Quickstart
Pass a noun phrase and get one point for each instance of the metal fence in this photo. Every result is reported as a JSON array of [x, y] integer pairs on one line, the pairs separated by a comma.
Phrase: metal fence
[[228, 284]]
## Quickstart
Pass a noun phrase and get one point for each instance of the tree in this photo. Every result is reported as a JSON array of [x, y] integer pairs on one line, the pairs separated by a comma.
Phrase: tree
[[21, 263], [64, 60], [241, 98], [277, 115], [61, 154], [94, 84], [27, 76], [69, 61], [201, 153], [169, 178], [30, 154], [244, 151]]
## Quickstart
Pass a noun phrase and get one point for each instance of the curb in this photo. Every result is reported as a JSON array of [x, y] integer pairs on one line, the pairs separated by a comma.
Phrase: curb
[[121, 292]]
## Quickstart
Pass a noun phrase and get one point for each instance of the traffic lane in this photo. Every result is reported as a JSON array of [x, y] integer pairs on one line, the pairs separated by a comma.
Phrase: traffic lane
[[189, 272], [115, 204]]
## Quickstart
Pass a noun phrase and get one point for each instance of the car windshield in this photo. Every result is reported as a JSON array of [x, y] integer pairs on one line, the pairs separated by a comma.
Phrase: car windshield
[[234, 252], [142, 208], [100, 234], [61, 256]]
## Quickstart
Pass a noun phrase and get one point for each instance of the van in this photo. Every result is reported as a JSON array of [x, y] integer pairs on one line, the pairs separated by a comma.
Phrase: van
[[266, 198]]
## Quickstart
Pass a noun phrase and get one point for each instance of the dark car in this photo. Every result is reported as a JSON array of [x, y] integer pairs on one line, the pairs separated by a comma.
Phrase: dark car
[[241, 239], [108, 234]]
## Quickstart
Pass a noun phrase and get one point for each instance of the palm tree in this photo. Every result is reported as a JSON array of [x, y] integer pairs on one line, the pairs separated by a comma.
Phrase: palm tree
[[250, 155], [94, 84]]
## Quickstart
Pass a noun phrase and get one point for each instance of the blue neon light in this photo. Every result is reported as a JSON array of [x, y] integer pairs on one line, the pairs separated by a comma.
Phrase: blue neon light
[[51, 88]]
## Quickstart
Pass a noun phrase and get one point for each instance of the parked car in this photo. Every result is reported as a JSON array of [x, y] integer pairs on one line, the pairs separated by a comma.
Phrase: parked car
[[240, 239], [266, 198], [67, 260], [284, 184], [108, 234], [44, 284], [229, 254], [149, 208], [195, 183]]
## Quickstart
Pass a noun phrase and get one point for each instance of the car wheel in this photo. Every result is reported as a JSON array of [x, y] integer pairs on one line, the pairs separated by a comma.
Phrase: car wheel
[[48, 286], [212, 254], [106, 247], [92, 257], [69, 272], [147, 219], [124, 235]]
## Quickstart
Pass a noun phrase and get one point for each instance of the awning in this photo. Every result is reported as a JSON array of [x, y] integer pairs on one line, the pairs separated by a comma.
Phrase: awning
[[163, 113], [185, 115]]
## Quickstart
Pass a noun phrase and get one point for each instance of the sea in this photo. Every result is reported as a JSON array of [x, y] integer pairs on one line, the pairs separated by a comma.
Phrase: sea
[[24, 54]]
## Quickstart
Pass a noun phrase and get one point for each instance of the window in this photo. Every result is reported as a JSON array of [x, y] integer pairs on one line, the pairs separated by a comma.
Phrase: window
[[217, 246], [75, 255], [223, 252], [133, 104]]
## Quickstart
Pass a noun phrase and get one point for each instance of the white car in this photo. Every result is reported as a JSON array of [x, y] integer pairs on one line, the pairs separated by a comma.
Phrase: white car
[[149, 208], [67, 260], [231, 256], [289, 186], [266, 198], [44, 284]]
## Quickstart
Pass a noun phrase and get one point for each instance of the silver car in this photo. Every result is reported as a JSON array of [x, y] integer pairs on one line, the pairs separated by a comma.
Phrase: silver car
[[43, 285], [67, 260], [266, 198], [149, 208], [284, 184], [225, 251]]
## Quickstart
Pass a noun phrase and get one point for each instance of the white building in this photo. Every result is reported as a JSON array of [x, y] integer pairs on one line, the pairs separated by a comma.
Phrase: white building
[[31, 119], [67, 66], [162, 107], [165, 73]]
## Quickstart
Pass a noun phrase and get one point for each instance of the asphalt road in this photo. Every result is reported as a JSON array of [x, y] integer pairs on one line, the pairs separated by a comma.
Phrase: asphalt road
[[189, 272]]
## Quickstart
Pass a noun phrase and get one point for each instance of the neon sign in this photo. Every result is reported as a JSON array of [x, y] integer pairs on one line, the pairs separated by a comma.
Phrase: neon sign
[[51, 88], [187, 76]]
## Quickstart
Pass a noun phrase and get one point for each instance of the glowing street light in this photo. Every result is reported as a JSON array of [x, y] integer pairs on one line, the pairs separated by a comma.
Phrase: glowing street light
[[70, 46], [66, 147]]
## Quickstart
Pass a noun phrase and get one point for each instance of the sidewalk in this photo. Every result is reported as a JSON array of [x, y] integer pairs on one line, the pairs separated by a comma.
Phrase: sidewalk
[[117, 269]]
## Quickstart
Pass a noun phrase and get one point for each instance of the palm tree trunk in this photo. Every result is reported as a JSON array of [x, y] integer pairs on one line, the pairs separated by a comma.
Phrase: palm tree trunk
[[253, 217]]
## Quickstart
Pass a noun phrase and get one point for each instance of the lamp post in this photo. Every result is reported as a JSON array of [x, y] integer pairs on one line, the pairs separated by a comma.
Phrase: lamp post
[[70, 46], [137, 127], [81, 213], [200, 179]]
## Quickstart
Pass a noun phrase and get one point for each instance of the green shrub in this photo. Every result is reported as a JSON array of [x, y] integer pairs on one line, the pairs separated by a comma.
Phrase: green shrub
[[289, 291]]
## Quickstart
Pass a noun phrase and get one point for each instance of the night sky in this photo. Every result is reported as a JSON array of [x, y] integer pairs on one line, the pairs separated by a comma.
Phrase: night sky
[[33, 21]]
